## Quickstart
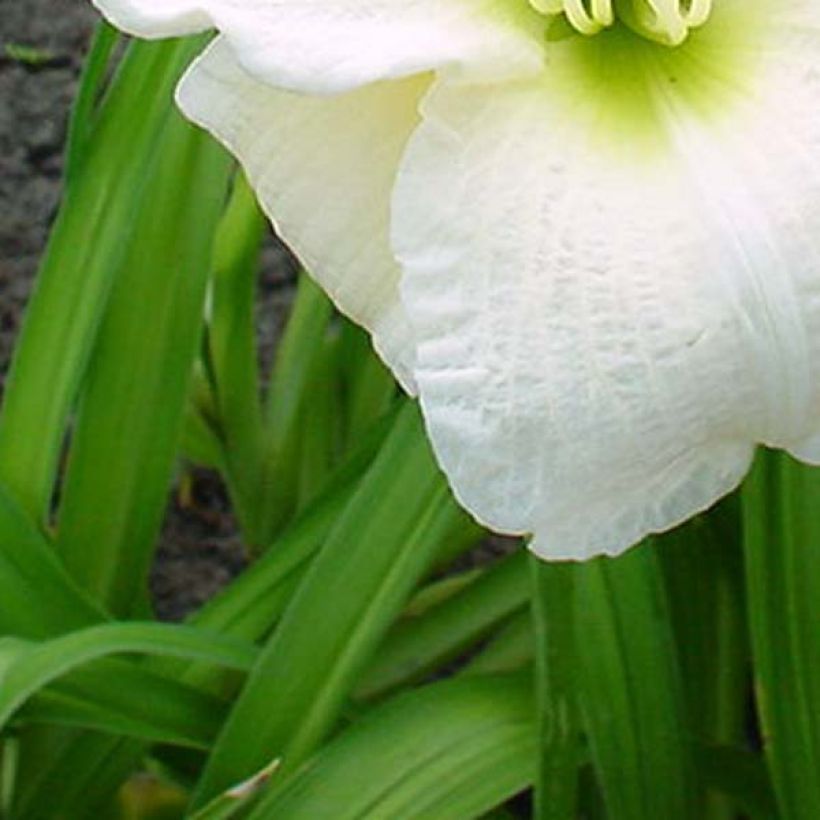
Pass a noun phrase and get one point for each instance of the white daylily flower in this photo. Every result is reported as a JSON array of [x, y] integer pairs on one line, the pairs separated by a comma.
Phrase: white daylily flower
[[596, 257]]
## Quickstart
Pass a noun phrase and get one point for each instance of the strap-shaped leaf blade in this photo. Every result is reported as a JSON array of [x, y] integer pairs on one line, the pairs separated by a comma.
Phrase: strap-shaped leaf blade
[[130, 414], [417, 645], [380, 548], [631, 693], [556, 693], [232, 364], [36, 666], [30, 571], [84, 251], [100, 696], [703, 574], [452, 750], [781, 512], [250, 606]]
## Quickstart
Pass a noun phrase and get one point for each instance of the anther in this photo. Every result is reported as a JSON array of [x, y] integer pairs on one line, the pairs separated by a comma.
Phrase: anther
[[665, 21]]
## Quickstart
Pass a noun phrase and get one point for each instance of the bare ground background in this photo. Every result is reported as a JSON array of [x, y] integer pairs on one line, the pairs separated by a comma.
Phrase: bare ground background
[[34, 101]]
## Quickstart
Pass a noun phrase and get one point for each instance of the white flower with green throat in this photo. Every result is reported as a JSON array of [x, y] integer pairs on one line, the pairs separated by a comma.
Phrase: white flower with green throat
[[585, 232]]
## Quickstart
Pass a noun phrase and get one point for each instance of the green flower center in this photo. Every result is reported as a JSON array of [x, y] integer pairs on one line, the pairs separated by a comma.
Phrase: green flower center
[[635, 89], [663, 21]]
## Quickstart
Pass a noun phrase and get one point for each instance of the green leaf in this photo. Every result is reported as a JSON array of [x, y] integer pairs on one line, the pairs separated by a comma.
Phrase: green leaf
[[30, 572], [237, 799], [106, 203], [510, 649], [27, 55], [556, 694], [449, 751], [84, 111], [84, 253], [417, 645], [298, 355], [631, 692], [124, 698], [200, 442], [98, 763], [232, 354], [742, 777], [370, 387], [781, 515], [319, 433], [379, 549], [703, 573], [250, 606], [9, 755], [295, 357], [116, 484], [79, 772], [37, 665]]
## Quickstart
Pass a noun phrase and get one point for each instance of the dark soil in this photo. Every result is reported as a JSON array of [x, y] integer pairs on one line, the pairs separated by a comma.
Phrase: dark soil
[[200, 550], [34, 101], [42, 44]]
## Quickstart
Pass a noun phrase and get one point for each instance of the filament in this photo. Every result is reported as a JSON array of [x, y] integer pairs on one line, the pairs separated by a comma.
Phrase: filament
[[666, 21]]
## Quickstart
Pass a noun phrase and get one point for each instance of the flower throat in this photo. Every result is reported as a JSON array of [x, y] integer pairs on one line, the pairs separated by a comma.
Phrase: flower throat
[[663, 21]]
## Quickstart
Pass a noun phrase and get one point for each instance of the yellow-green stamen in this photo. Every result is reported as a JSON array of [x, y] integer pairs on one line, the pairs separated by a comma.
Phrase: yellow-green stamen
[[664, 21]]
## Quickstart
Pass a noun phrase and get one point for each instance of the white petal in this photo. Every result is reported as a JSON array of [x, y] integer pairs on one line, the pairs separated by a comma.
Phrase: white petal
[[606, 323], [320, 46], [323, 169]]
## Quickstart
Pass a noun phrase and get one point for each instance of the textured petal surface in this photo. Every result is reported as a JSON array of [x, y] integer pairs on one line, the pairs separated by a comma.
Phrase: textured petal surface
[[320, 46], [612, 305], [323, 169]]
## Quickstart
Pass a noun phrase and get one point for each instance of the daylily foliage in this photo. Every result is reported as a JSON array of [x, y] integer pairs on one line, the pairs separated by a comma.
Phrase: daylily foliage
[[586, 233]]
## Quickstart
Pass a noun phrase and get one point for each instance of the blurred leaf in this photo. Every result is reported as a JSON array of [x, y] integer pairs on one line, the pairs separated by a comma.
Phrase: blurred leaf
[[146, 797], [37, 596], [703, 573], [8, 770], [449, 751], [231, 350], [319, 431], [511, 648], [199, 442], [101, 696], [27, 55], [742, 777], [298, 354], [781, 516], [78, 771], [36, 665], [237, 800], [370, 387], [440, 590], [417, 645]]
